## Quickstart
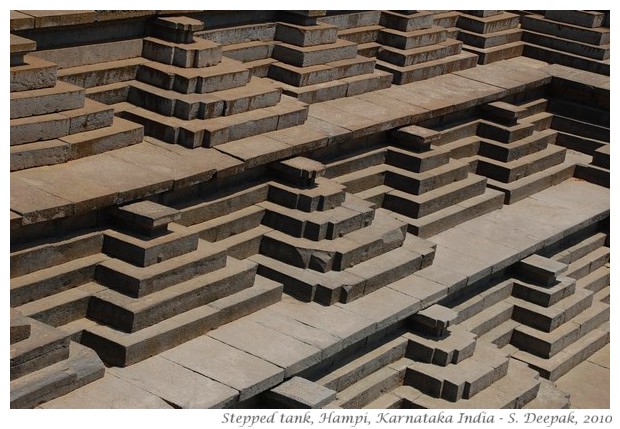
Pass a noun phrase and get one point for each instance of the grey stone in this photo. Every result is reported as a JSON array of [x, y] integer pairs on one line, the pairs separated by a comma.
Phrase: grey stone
[[301, 393]]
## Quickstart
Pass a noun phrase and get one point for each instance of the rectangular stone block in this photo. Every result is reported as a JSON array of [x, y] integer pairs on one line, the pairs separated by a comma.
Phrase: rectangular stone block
[[540, 269], [314, 55], [583, 18], [306, 35], [298, 393]]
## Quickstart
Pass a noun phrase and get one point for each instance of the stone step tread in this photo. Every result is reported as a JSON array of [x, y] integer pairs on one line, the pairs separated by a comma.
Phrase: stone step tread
[[352, 371], [457, 340], [556, 309], [355, 30], [251, 212], [172, 293], [183, 327], [540, 24], [501, 333], [43, 339], [198, 44], [227, 66], [509, 152], [413, 33], [107, 65], [28, 281], [494, 49], [518, 387], [317, 48], [61, 88], [595, 277], [565, 360], [562, 44], [367, 388], [81, 367], [101, 74], [535, 182], [470, 180], [34, 73], [423, 49], [550, 150], [205, 251], [432, 63], [477, 323], [83, 292]]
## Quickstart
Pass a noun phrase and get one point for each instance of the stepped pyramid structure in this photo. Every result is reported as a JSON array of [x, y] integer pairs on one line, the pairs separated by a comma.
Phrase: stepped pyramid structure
[[52, 121], [492, 34], [310, 209], [414, 49], [316, 65], [575, 38], [170, 91]]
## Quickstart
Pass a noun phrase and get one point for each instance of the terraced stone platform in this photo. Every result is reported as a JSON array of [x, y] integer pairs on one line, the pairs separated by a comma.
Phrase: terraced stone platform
[[441, 243]]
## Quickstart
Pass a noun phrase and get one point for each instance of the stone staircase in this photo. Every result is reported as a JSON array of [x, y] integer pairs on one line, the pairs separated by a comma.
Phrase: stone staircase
[[190, 95], [575, 38], [315, 65], [361, 27], [45, 363], [414, 48], [492, 34], [512, 145], [52, 121], [143, 287], [417, 182]]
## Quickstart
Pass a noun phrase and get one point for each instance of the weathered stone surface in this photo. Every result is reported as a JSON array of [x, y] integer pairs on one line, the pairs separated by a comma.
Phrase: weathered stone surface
[[301, 393]]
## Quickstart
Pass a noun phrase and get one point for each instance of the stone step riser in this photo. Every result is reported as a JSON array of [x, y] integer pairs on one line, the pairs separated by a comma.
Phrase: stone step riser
[[417, 163], [311, 35], [588, 19], [289, 55], [566, 59], [373, 387], [472, 24], [405, 59], [412, 22], [420, 186], [197, 84], [543, 296], [417, 210], [497, 53], [352, 20], [410, 41], [581, 129], [509, 174], [491, 40], [101, 77], [306, 203], [153, 49], [291, 77], [138, 287], [431, 69], [504, 134], [180, 329], [566, 31], [600, 52], [508, 153], [60, 313], [128, 320], [538, 319], [361, 36], [45, 103], [247, 53], [35, 74]]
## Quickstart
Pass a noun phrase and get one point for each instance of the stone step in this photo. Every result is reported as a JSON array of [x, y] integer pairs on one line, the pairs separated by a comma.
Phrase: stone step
[[489, 24], [446, 18], [368, 388], [565, 360], [215, 131], [197, 54], [37, 154], [81, 367], [603, 295], [541, 121], [488, 318], [123, 349], [517, 388], [356, 367], [583, 129], [417, 206], [351, 19], [427, 70], [141, 281], [508, 152], [109, 94], [578, 143], [582, 267], [327, 195], [314, 55], [417, 162], [592, 36], [128, 314], [260, 68], [501, 334], [482, 13], [468, 307], [504, 133], [419, 55], [353, 163], [463, 380], [496, 53], [355, 282], [91, 116], [381, 236], [507, 172], [360, 35], [406, 21], [20, 327], [406, 40], [548, 344], [306, 35], [595, 52], [540, 270], [257, 94], [533, 183], [57, 278], [544, 296], [100, 74], [581, 248], [62, 308], [453, 215], [245, 244], [547, 319], [582, 18], [254, 50], [311, 75], [457, 346], [44, 347], [538, 105], [345, 87], [596, 281], [227, 74], [369, 49], [63, 96], [490, 40], [503, 113], [144, 251], [549, 397], [35, 73], [19, 47], [354, 214], [236, 222]]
